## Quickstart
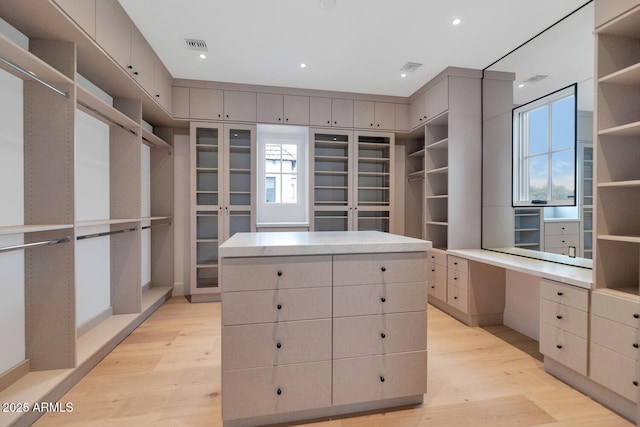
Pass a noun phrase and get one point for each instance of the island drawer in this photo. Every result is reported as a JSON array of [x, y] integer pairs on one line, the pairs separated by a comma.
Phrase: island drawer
[[282, 343], [368, 269], [564, 347], [278, 389], [564, 317], [240, 308], [614, 371], [372, 378], [565, 294], [360, 300], [285, 272], [380, 334]]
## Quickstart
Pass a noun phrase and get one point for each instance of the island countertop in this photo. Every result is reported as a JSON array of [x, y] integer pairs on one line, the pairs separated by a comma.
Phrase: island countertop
[[318, 243]]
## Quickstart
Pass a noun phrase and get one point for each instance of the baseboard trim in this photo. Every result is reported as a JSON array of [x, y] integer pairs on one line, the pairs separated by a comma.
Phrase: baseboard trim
[[92, 323], [14, 374]]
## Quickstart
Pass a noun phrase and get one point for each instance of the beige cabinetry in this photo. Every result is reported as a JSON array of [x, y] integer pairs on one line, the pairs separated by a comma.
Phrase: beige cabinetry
[[437, 273], [321, 333], [403, 117], [417, 111], [458, 283], [216, 104], [287, 109], [342, 113], [614, 347], [222, 196], [319, 111], [562, 237], [83, 13], [374, 115], [564, 324], [352, 180], [205, 104]]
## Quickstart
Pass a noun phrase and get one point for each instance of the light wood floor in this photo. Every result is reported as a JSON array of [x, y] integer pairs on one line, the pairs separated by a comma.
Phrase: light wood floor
[[167, 373]]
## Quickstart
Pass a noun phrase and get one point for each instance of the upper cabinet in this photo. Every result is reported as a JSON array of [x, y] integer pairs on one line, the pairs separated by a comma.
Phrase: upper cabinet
[[374, 115], [417, 111], [342, 113], [82, 12], [289, 109], [113, 31], [162, 85], [319, 111], [205, 104], [437, 99], [240, 106]]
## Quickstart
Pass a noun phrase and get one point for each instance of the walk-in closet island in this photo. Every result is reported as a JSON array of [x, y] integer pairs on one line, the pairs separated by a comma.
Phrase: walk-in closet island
[[316, 324]]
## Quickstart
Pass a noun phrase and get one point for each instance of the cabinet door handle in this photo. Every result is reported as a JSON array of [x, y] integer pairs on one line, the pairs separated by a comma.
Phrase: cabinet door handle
[[279, 273], [279, 392], [559, 346], [279, 307], [378, 125], [433, 269], [279, 118], [157, 96], [328, 122], [558, 317], [455, 297], [381, 379], [135, 73], [279, 345], [130, 67], [455, 278], [433, 287], [227, 116], [560, 294], [219, 115], [383, 335], [455, 263]]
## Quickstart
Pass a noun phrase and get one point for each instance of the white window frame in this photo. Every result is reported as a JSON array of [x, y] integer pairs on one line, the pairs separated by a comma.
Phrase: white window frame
[[283, 214], [520, 143]]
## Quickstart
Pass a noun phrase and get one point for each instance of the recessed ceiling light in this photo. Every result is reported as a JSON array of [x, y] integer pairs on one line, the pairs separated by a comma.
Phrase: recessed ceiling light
[[303, 65], [403, 75], [521, 85], [457, 21], [203, 56]]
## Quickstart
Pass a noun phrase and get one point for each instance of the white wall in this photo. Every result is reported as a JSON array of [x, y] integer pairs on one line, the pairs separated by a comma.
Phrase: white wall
[[145, 247], [181, 214], [12, 326], [93, 277]]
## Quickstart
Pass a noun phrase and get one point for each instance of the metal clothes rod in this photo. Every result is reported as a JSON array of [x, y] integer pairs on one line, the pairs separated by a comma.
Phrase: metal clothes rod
[[164, 224], [35, 244], [106, 233], [93, 110], [33, 77]]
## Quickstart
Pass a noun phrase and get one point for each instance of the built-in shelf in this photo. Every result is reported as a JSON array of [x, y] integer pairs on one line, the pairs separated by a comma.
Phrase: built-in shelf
[[442, 224], [156, 218], [419, 153], [621, 184], [97, 222], [442, 170], [629, 129], [438, 197], [439, 145], [440, 119], [526, 229], [629, 76], [94, 106], [153, 140], [620, 238], [416, 175], [20, 229]]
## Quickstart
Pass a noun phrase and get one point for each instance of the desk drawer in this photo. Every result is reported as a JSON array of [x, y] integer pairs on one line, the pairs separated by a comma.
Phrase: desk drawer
[[617, 308], [438, 257], [381, 334], [459, 264], [261, 273], [564, 347], [458, 298], [240, 308], [564, 317], [254, 392], [565, 294], [269, 344], [554, 228], [370, 269], [561, 241], [614, 371], [615, 336], [370, 378], [361, 300], [458, 278]]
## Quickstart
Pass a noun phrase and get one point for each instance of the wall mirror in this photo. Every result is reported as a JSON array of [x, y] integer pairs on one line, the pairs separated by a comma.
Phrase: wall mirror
[[556, 58]]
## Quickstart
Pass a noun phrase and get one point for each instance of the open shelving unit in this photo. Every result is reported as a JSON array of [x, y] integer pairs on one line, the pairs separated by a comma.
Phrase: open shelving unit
[[586, 204], [528, 228], [437, 181]]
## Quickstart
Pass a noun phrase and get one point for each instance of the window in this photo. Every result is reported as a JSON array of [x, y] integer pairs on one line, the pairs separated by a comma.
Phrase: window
[[544, 150], [282, 160]]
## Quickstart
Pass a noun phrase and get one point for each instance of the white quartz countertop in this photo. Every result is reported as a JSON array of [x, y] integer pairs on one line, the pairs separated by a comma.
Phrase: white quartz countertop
[[576, 276], [318, 243]]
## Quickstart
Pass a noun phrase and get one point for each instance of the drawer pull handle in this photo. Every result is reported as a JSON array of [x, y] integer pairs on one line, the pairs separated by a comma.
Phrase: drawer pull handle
[[635, 345], [558, 317], [455, 297], [559, 346], [381, 379], [560, 294], [279, 273], [383, 335], [455, 278], [383, 269], [279, 306], [455, 263], [636, 316], [279, 392], [433, 287], [635, 383], [433, 269], [279, 345], [383, 299]]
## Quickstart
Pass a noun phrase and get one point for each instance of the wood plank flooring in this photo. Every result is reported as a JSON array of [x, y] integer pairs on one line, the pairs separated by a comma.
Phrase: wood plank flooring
[[167, 373]]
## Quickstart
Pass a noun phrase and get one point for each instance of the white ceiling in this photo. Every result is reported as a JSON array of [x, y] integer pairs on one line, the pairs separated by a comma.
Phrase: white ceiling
[[358, 46]]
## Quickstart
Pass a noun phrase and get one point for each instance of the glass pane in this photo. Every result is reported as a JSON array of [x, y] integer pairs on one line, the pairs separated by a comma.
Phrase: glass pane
[[563, 175], [239, 222], [331, 221], [538, 131], [273, 158], [289, 158], [239, 138], [289, 188], [538, 171], [207, 225], [270, 189], [563, 124], [205, 136]]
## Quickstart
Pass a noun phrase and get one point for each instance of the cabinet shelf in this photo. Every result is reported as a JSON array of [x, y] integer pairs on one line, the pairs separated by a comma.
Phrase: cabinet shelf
[[437, 223], [620, 238], [367, 203], [199, 169], [374, 188], [207, 240], [439, 145], [629, 129], [527, 214], [207, 265], [330, 203], [526, 229], [330, 144], [416, 175], [239, 149], [373, 159], [332, 158], [156, 218], [373, 173], [93, 223], [20, 229], [438, 197], [629, 76], [333, 173], [526, 245], [206, 147], [94, 106], [330, 187], [375, 145], [620, 184], [439, 120], [442, 170], [154, 141], [419, 153], [624, 26], [239, 170]]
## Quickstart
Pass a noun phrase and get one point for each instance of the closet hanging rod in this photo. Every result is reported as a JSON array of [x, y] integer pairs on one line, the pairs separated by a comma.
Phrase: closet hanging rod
[[106, 233], [33, 77], [93, 110], [164, 224], [35, 244]]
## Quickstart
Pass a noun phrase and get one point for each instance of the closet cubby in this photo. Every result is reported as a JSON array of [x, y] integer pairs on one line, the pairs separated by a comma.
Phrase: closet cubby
[[437, 180], [617, 150], [528, 228], [414, 188]]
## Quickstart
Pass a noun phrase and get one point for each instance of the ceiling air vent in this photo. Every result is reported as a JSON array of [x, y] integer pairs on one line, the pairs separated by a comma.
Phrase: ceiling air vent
[[195, 44], [410, 67], [536, 78]]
